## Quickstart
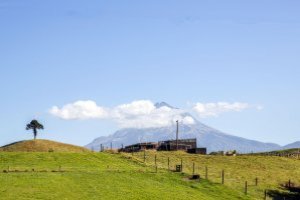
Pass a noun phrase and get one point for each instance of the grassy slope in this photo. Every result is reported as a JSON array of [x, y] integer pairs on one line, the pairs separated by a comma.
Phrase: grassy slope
[[97, 176], [296, 150], [271, 171], [41, 146]]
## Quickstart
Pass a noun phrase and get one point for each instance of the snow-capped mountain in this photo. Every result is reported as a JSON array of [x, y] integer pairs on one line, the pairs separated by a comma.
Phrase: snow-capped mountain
[[212, 139]]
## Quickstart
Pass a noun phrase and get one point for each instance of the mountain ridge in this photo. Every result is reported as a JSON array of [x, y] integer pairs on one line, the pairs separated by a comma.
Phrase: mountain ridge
[[292, 145], [212, 139]]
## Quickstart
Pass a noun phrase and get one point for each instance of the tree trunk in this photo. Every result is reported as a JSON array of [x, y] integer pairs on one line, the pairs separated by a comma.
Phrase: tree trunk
[[34, 133]]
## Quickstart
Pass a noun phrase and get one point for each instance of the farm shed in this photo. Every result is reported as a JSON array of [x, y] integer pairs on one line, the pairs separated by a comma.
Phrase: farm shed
[[171, 145], [140, 146]]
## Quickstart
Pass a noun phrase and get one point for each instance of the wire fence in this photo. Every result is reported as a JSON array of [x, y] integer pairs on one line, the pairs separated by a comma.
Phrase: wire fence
[[152, 162], [190, 165]]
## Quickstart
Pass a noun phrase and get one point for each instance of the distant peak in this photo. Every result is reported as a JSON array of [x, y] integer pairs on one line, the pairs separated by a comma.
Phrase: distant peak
[[164, 104]]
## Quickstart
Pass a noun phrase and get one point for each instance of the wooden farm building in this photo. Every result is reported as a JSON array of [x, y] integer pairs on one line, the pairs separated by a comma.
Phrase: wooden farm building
[[173, 145], [188, 145], [140, 147]]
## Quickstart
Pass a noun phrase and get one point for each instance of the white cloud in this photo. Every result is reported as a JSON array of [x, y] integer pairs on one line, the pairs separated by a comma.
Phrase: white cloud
[[137, 114], [143, 113], [79, 110], [215, 109], [142, 107], [188, 120]]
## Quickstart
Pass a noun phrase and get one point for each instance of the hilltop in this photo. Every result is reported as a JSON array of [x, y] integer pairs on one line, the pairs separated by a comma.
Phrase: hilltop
[[41, 146]]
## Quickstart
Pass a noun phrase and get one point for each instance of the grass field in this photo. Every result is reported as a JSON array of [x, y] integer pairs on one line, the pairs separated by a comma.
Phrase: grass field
[[271, 171], [29, 170], [54, 175]]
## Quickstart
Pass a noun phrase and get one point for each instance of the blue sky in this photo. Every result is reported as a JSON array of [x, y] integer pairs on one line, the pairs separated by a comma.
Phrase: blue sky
[[54, 53]]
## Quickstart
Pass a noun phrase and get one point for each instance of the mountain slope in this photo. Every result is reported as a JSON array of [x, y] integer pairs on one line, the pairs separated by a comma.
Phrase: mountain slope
[[292, 145], [41, 146], [206, 136]]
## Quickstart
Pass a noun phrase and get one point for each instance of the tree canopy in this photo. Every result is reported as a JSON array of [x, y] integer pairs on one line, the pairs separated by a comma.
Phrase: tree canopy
[[34, 125]]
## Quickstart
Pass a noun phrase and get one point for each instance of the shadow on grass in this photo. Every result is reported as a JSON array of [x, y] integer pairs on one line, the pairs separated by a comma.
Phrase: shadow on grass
[[289, 192]]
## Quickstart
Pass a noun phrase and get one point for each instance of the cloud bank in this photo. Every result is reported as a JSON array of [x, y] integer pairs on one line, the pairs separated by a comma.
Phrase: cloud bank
[[143, 113], [137, 114], [79, 110]]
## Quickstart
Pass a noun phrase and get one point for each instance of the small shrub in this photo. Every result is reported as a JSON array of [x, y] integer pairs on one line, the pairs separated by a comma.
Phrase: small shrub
[[216, 153], [50, 150]]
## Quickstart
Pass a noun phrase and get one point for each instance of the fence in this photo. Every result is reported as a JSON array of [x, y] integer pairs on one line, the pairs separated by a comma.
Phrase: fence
[[191, 166], [161, 162], [295, 154]]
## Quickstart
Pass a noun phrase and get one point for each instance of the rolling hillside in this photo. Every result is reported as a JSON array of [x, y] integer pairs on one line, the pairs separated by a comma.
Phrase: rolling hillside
[[97, 176], [41, 146], [270, 171], [29, 171]]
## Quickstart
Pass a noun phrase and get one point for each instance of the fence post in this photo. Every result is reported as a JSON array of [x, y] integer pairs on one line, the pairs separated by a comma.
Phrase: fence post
[[256, 181], [193, 168], [266, 194], [290, 183], [181, 165], [246, 188], [144, 155], [168, 163], [206, 172], [223, 176]]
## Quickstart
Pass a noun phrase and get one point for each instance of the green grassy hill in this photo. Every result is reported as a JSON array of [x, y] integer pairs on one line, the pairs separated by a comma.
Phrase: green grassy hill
[[71, 172], [97, 176], [271, 171], [41, 146]]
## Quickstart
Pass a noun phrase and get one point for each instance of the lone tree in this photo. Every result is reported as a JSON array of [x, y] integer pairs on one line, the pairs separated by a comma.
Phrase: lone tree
[[34, 125]]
